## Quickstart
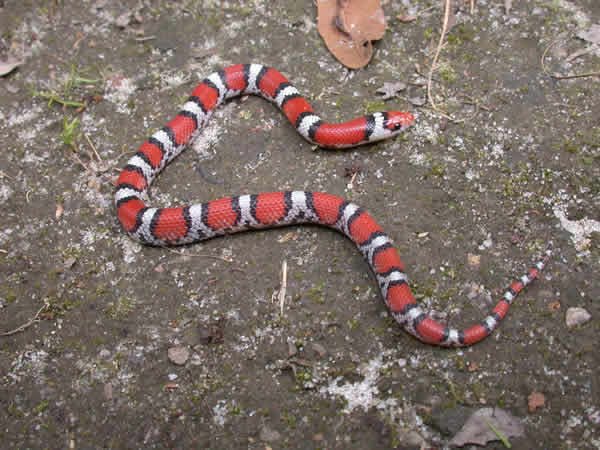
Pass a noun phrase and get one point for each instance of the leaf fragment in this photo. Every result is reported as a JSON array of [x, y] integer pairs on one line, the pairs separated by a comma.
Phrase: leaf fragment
[[348, 27], [8, 65], [486, 425], [391, 90]]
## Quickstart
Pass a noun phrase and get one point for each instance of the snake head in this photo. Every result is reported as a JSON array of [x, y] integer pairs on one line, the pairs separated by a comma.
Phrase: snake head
[[398, 121]]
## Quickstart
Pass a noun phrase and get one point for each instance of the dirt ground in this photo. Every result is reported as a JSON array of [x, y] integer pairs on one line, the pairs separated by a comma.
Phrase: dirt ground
[[117, 345]]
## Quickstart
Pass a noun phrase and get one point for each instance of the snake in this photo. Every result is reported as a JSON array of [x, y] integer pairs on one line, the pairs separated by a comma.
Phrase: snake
[[192, 223]]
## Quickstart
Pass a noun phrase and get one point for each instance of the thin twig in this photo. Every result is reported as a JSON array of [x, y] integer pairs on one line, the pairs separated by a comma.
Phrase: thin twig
[[201, 255], [352, 179], [92, 146], [3, 174], [558, 76], [283, 288], [27, 324], [433, 64]]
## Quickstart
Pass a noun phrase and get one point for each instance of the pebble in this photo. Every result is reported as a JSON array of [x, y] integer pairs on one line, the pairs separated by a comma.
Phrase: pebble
[[178, 355], [576, 316]]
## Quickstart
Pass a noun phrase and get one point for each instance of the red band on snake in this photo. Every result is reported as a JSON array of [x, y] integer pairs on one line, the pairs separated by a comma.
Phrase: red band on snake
[[187, 224]]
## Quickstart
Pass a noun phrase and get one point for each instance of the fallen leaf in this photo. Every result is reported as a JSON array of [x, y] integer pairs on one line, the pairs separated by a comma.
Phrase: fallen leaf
[[479, 428], [348, 27], [178, 355], [592, 35], [554, 306], [576, 316], [406, 18], [9, 65], [391, 90], [69, 262], [535, 400]]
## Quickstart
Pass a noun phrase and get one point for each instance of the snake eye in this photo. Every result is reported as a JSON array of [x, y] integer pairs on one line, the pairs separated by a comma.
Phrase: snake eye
[[399, 121]]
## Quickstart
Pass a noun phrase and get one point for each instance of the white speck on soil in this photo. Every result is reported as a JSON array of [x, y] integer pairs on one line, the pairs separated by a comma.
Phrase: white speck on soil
[[579, 229], [118, 92], [363, 393], [130, 248], [220, 412]]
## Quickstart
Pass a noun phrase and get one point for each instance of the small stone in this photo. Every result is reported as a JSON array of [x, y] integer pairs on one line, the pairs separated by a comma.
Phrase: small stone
[[577, 316], [269, 435], [178, 355]]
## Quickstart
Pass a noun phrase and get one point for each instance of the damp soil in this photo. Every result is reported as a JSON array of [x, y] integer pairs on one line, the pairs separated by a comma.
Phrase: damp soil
[[470, 204]]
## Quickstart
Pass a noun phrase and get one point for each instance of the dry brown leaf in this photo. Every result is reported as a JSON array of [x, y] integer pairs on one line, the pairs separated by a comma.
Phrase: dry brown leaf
[[390, 90], [477, 430], [349, 26], [591, 35], [406, 18], [9, 65], [554, 306], [535, 400]]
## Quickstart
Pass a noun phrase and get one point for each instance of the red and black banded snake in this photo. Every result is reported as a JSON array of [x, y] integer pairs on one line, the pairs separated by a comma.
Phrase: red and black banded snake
[[187, 224]]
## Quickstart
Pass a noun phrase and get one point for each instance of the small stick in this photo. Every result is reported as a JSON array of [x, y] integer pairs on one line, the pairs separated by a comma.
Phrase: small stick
[[200, 255], [26, 325], [283, 288], [435, 58], [92, 145], [558, 76]]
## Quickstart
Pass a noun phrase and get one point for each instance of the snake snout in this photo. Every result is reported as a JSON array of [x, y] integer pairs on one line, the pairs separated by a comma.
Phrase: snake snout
[[399, 121]]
